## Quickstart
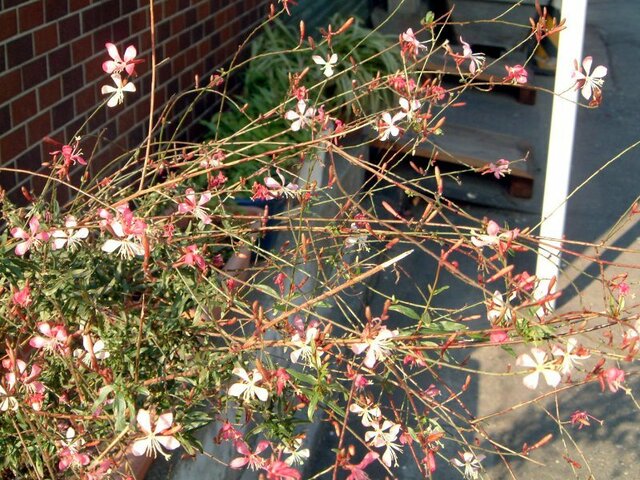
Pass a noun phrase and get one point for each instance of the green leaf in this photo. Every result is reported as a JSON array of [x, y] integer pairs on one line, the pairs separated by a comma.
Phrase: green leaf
[[406, 311], [429, 18]]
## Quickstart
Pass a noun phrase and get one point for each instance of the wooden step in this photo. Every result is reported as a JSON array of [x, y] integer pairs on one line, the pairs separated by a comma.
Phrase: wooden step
[[493, 72], [473, 148]]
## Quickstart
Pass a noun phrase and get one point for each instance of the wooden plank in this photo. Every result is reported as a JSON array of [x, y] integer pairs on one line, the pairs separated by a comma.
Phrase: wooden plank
[[494, 73], [511, 29], [474, 148]]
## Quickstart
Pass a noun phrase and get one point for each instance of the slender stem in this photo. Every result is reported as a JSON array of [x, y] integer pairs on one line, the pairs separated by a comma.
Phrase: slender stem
[[152, 21]]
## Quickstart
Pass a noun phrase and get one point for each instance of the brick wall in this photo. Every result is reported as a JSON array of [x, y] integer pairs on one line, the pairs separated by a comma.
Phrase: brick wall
[[51, 53]]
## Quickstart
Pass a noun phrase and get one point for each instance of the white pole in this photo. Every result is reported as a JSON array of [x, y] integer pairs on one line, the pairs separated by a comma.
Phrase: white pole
[[561, 136]]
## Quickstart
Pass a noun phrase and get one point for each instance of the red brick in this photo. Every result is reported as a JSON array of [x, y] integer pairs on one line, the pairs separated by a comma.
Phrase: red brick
[[75, 5], [19, 50], [45, 38], [93, 71], [54, 9], [34, 72], [38, 128], [177, 24], [9, 23], [31, 15], [139, 21], [86, 100], [5, 118], [59, 60], [49, 93], [62, 113], [68, 28], [11, 85], [12, 144], [24, 107], [81, 49]]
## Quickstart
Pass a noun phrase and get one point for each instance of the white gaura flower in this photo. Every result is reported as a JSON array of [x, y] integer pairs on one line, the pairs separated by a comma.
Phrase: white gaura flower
[[98, 348], [126, 245], [70, 237], [297, 455], [587, 81], [377, 348], [385, 436], [369, 413], [248, 388], [387, 125], [470, 463], [327, 65], [7, 400], [538, 361], [117, 92], [306, 348], [571, 355], [300, 117], [154, 436], [409, 107], [498, 309]]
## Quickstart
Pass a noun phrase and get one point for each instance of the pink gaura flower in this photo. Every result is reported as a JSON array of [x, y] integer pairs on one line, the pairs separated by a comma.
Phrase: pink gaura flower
[[54, 338], [301, 116], [277, 189], [31, 238], [430, 461], [155, 436], [494, 238], [583, 419], [387, 125], [538, 361], [70, 237], [516, 74], [357, 471], [117, 92], [252, 459], [71, 154], [614, 378], [228, 432], [193, 258], [195, 205], [22, 297], [28, 379], [128, 230], [70, 455], [118, 64], [377, 348], [409, 43], [282, 378], [261, 192], [498, 169], [589, 83], [476, 60], [498, 335], [279, 470]]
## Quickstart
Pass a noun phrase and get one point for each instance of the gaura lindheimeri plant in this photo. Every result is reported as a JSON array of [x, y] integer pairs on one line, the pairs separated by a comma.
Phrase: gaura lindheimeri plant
[[148, 314]]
